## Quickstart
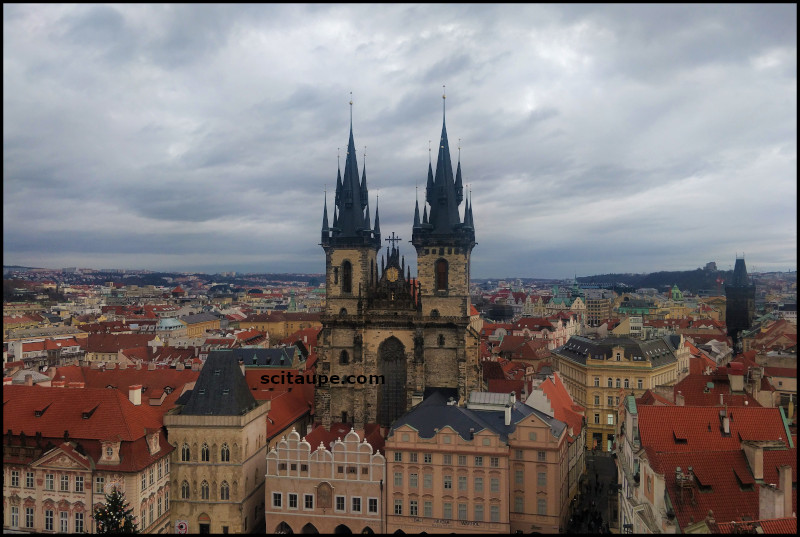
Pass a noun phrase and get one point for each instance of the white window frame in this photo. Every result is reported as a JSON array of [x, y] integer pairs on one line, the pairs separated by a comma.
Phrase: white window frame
[[369, 505], [277, 500], [306, 497], [289, 497], [336, 507], [353, 501]]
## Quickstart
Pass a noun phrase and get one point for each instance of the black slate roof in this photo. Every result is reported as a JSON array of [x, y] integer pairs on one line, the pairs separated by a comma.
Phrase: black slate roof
[[434, 413], [659, 351], [220, 389], [256, 357]]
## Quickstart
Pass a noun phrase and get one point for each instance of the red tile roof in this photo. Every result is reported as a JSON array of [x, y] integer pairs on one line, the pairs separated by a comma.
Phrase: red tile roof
[[790, 372], [715, 469], [115, 342], [649, 397], [696, 391], [564, 408], [786, 526], [661, 428], [112, 414]]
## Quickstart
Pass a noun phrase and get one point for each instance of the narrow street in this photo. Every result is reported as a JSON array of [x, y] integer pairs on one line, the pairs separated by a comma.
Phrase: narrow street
[[595, 503]]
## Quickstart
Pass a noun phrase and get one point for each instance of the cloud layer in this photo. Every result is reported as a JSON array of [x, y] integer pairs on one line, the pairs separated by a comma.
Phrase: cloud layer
[[593, 138]]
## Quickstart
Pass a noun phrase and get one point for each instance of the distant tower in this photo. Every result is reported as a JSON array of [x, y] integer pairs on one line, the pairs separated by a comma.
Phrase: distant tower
[[740, 305]]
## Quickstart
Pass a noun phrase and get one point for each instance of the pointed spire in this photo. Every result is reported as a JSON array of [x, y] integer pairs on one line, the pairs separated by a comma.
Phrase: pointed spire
[[377, 231], [364, 202], [425, 215], [366, 218], [416, 212], [429, 185], [325, 227], [459, 184]]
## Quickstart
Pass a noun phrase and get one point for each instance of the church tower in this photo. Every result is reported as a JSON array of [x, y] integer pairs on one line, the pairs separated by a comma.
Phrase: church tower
[[379, 322], [444, 240], [740, 304]]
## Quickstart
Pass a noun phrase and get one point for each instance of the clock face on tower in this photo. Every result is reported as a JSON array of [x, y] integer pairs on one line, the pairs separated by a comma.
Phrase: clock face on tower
[[392, 274]]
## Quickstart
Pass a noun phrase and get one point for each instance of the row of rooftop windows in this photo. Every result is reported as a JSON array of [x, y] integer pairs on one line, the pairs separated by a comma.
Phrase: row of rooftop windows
[[478, 461]]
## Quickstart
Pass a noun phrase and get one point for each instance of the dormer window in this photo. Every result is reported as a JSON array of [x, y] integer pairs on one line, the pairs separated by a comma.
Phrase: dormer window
[[109, 452]]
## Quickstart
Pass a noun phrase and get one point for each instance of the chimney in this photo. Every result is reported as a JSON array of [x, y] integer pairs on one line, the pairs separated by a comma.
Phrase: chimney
[[195, 366], [151, 366], [123, 365], [785, 485], [755, 458], [721, 403], [135, 394], [308, 429], [28, 380], [679, 399], [179, 367], [508, 415], [138, 366], [512, 398]]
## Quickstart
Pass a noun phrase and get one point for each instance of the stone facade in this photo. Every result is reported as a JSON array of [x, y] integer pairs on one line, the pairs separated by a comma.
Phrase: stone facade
[[218, 470], [412, 334]]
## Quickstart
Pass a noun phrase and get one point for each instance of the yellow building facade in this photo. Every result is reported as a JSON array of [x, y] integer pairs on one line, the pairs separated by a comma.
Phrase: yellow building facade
[[598, 373]]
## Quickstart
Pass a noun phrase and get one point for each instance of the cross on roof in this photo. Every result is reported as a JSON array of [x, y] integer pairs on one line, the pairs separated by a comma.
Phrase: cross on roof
[[393, 239]]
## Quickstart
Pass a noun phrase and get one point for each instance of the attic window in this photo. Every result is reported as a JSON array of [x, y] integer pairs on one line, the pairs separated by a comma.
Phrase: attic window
[[226, 391], [217, 371], [679, 438], [201, 391]]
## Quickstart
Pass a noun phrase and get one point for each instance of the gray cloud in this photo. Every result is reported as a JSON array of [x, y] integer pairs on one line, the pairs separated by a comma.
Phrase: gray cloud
[[594, 138]]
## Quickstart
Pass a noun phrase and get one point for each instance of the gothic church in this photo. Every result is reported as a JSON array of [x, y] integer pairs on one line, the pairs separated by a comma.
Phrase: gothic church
[[378, 320]]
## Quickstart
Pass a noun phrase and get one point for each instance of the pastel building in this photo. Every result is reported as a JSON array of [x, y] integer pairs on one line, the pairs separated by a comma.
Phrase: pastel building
[[494, 466], [312, 487]]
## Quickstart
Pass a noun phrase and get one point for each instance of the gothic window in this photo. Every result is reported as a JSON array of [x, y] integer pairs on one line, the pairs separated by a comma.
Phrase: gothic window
[[392, 402], [225, 453], [185, 490], [224, 491], [204, 490], [347, 277], [441, 275], [185, 453], [344, 358], [204, 453]]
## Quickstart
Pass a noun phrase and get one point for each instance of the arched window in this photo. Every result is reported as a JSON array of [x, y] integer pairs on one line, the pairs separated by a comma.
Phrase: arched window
[[617, 383], [204, 453], [344, 358], [185, 490], [347, 277], [441, 275], [204, 490], [224, 491], [225, 453], [185, 452], [627, 383]]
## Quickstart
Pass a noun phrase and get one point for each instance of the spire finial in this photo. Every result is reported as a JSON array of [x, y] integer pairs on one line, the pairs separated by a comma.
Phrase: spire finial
[[429, 151], [444, 96], [459, 149], [338, 157], [351, 110]]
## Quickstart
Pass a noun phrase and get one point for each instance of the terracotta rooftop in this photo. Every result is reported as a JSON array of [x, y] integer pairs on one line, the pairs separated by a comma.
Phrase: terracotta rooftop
[[694, 428]]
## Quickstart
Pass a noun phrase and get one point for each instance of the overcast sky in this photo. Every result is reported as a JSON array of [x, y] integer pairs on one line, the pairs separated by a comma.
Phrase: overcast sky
[[594, 138]]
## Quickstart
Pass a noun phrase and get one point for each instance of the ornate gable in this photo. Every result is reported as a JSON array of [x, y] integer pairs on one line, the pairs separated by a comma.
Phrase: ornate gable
[[63, 457]]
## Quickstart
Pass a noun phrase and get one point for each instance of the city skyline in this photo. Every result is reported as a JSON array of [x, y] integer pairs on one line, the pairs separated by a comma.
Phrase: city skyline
[[594, 139]]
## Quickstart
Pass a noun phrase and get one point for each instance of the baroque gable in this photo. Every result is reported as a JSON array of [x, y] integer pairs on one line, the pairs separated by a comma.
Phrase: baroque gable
[[60, 458]]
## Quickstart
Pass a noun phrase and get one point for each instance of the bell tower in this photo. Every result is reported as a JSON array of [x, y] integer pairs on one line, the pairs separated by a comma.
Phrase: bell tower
[[351, 245], [443, 240]]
